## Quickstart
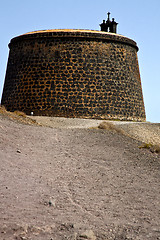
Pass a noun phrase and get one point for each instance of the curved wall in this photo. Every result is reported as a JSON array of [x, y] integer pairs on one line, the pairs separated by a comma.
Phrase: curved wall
[[74, 73]]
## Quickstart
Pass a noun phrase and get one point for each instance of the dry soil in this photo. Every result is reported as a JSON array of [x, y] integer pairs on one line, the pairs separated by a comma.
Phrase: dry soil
[[76, 184]]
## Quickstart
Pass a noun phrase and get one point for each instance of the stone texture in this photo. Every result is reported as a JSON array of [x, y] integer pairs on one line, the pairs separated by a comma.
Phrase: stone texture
[[74, 74]]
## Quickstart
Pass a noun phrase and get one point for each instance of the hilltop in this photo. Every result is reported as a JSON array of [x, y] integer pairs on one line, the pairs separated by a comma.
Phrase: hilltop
[[59, 181]]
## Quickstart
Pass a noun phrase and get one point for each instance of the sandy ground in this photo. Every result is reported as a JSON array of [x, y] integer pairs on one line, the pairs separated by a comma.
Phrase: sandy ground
[[76, 183], [143, 131]]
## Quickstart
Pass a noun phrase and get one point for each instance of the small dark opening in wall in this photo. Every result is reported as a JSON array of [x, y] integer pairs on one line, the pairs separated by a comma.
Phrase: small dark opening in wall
[[57, 54]]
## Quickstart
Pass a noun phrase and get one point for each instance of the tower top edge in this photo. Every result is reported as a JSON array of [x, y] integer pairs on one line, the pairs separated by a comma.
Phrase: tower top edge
[[72, 31], [78, 33]]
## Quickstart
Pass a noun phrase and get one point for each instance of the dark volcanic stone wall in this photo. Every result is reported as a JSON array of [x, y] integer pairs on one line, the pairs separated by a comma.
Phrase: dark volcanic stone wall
[[74, 74]]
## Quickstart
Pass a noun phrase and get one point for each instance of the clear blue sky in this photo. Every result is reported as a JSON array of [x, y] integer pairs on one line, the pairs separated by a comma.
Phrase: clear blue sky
[[138, 20]]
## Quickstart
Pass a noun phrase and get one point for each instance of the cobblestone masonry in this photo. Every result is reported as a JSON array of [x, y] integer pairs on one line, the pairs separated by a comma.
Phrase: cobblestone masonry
[[74, 73]]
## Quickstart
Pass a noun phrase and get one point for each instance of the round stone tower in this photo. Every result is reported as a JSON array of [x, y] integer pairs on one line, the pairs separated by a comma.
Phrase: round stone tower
[[74, 73]]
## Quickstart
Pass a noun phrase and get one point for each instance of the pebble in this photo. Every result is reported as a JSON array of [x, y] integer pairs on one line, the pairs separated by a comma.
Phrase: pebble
[[89, 234], [52, 202]]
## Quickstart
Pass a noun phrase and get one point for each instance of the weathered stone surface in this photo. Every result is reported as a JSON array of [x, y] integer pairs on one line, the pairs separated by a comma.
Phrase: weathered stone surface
[[74, 74], [88, 234]]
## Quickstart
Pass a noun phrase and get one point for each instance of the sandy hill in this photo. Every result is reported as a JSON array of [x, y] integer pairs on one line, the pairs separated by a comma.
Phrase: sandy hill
[[78, 179]]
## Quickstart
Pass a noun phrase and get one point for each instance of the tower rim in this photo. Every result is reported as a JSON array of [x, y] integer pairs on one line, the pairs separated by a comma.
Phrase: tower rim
[[76, 33]]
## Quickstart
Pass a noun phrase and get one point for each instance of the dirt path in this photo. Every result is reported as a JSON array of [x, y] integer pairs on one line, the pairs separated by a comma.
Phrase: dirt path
[[76, 184], [143, 131]]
